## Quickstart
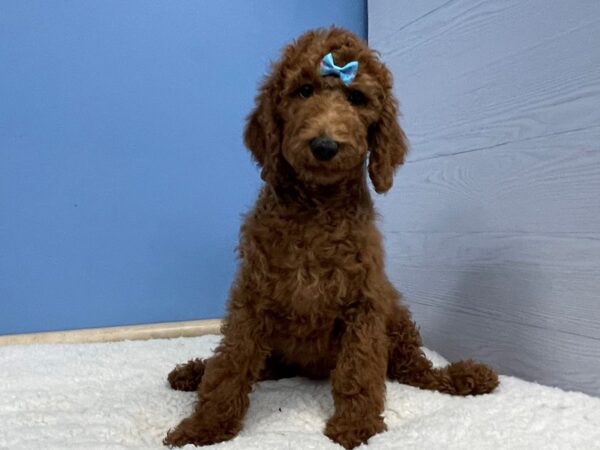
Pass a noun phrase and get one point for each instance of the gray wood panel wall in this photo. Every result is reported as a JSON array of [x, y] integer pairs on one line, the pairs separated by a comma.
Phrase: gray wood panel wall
[[493, 226]]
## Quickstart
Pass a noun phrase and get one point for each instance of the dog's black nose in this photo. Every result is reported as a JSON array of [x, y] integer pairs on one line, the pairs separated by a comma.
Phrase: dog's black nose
[[323, 148]]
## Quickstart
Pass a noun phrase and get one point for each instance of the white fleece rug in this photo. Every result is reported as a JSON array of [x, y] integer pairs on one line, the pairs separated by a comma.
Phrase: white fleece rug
[[115, 396]]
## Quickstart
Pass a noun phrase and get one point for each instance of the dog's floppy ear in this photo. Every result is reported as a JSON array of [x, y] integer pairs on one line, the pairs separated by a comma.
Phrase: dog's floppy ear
[[387, 144], [262, 134]]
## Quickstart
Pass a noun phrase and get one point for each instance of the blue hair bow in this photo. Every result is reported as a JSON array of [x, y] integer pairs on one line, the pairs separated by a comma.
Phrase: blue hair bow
[[346, 74]]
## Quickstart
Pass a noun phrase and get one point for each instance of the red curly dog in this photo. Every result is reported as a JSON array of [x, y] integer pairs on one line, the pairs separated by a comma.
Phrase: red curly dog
[[311, 297]]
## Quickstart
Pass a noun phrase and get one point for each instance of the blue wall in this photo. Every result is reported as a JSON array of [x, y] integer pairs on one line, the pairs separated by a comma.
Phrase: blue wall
[[122, 170]]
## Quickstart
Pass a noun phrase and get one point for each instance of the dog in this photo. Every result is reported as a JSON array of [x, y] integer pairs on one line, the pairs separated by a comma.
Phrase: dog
[[311, 297]]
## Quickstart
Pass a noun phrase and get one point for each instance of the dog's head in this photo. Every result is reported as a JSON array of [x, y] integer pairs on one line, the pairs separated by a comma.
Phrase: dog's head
[[316, 122]]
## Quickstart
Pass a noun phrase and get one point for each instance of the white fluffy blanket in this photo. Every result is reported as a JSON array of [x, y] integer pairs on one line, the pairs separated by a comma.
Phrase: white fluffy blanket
[[114, 396]]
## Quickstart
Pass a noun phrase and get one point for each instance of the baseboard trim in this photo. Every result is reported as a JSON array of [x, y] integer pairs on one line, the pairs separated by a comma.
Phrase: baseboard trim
[[165, 330]]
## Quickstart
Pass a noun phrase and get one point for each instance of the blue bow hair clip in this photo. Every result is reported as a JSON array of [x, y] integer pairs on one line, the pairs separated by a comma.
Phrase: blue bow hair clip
[[346, 73]]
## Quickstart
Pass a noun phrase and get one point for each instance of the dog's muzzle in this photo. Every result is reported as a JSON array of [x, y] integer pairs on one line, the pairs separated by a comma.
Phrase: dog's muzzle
[[324, 148]]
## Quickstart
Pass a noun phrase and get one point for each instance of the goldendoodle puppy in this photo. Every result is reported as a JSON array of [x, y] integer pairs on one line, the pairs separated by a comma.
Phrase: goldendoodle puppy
[[311, 297]]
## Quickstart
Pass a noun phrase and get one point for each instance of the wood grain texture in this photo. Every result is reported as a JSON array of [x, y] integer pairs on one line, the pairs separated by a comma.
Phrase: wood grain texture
[[527, 352], [534, 280], [546, 184], [165, 330], [493, 226], [473, 75]]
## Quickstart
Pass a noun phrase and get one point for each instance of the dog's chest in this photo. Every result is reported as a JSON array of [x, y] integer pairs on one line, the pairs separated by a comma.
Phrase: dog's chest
[[307, 266]]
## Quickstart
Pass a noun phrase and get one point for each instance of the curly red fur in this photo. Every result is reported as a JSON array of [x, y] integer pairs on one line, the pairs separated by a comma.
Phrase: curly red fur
[[311, 297]]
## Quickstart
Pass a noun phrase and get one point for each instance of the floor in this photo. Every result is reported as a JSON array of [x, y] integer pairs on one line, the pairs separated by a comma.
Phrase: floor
[[114, 395]]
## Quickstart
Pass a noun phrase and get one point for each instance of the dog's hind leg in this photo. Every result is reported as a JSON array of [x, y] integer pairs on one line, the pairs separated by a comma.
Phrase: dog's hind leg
[[187, 376], [408, 364]]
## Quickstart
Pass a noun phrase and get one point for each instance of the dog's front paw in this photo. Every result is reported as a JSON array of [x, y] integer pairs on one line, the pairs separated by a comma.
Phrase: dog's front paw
[[197, 431], [350, 433]]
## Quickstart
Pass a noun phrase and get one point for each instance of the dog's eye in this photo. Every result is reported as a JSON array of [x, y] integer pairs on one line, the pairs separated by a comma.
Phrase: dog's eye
[[305, 91], [357, 98]]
